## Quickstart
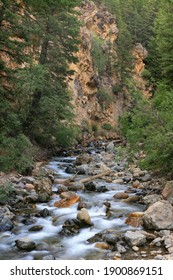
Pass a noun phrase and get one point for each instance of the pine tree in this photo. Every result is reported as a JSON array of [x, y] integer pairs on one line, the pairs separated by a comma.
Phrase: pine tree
[[57, 31]]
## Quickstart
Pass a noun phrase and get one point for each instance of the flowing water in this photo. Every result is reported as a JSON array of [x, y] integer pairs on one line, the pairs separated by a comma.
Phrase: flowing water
[[72, 247]]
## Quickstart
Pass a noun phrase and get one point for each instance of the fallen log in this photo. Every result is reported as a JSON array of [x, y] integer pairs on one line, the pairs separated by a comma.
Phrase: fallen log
[[100, 175]]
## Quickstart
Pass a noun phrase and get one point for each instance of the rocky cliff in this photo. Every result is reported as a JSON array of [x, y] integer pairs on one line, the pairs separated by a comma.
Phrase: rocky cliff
[[96, 102]]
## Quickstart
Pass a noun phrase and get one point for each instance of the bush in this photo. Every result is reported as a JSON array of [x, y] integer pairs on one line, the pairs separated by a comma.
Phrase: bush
[[150, 124], [99, 58], [105, 98], [16, 154], [107, 126], [5, 191]]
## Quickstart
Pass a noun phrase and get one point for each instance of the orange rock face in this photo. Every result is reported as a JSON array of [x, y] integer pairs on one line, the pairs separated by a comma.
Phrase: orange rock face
[[135, 219], [66, 202]]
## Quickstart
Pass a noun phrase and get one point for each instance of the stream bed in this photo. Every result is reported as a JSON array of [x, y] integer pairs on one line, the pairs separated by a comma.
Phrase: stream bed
[[50, 242]]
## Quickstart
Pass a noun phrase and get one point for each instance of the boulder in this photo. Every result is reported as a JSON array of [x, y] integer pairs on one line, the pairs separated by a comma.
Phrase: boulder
[[84, 217], [66, 202], [29, 187], [5, 224], [151, 199], [44, 213], [25, 244], [167, 192], [67, 194], [43, 185], [132, 199], [135, 238], [134, 219], [90, 186], [83, 159], [121, 195], [159, 216]]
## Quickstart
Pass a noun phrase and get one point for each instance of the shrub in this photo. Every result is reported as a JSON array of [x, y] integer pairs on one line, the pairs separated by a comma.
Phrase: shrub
[[5, 191], [16, 154], [107, 126]]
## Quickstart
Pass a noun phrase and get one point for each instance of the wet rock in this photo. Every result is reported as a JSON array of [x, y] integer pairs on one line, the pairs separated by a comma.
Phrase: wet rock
[[132, 199], [167, 192], [102, 189], [82, 204], [121, 195], [135, 219], [159, 216], [103, 245], [90, 186], [36, 228], [67, 195], [44, 213], [111, 238], [70, 227], [82, 169], [76, 187], [84, 217], [61, 188], [96, 238], [43, 197], [135, 238], [70, 170], [83, 159], [66, 202], [5, 224], [151, 199], [25, 244]]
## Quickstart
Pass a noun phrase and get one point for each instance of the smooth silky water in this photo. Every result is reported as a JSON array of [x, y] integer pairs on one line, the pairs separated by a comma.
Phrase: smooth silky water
[[72, 247]]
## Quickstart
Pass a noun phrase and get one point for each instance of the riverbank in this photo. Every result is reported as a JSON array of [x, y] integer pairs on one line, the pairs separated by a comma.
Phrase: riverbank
[[87, 204]]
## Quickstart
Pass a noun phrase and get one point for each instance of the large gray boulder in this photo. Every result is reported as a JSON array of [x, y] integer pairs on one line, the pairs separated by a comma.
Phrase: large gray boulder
[[167, 192], [135, 238], [159, 216]]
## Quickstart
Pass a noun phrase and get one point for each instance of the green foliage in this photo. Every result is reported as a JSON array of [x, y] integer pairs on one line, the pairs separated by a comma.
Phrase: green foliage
[[149, 125], [17, 153], [94, 127], [107, 126], [99, 57], [34, 100], [105, 98], [5, 191]]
